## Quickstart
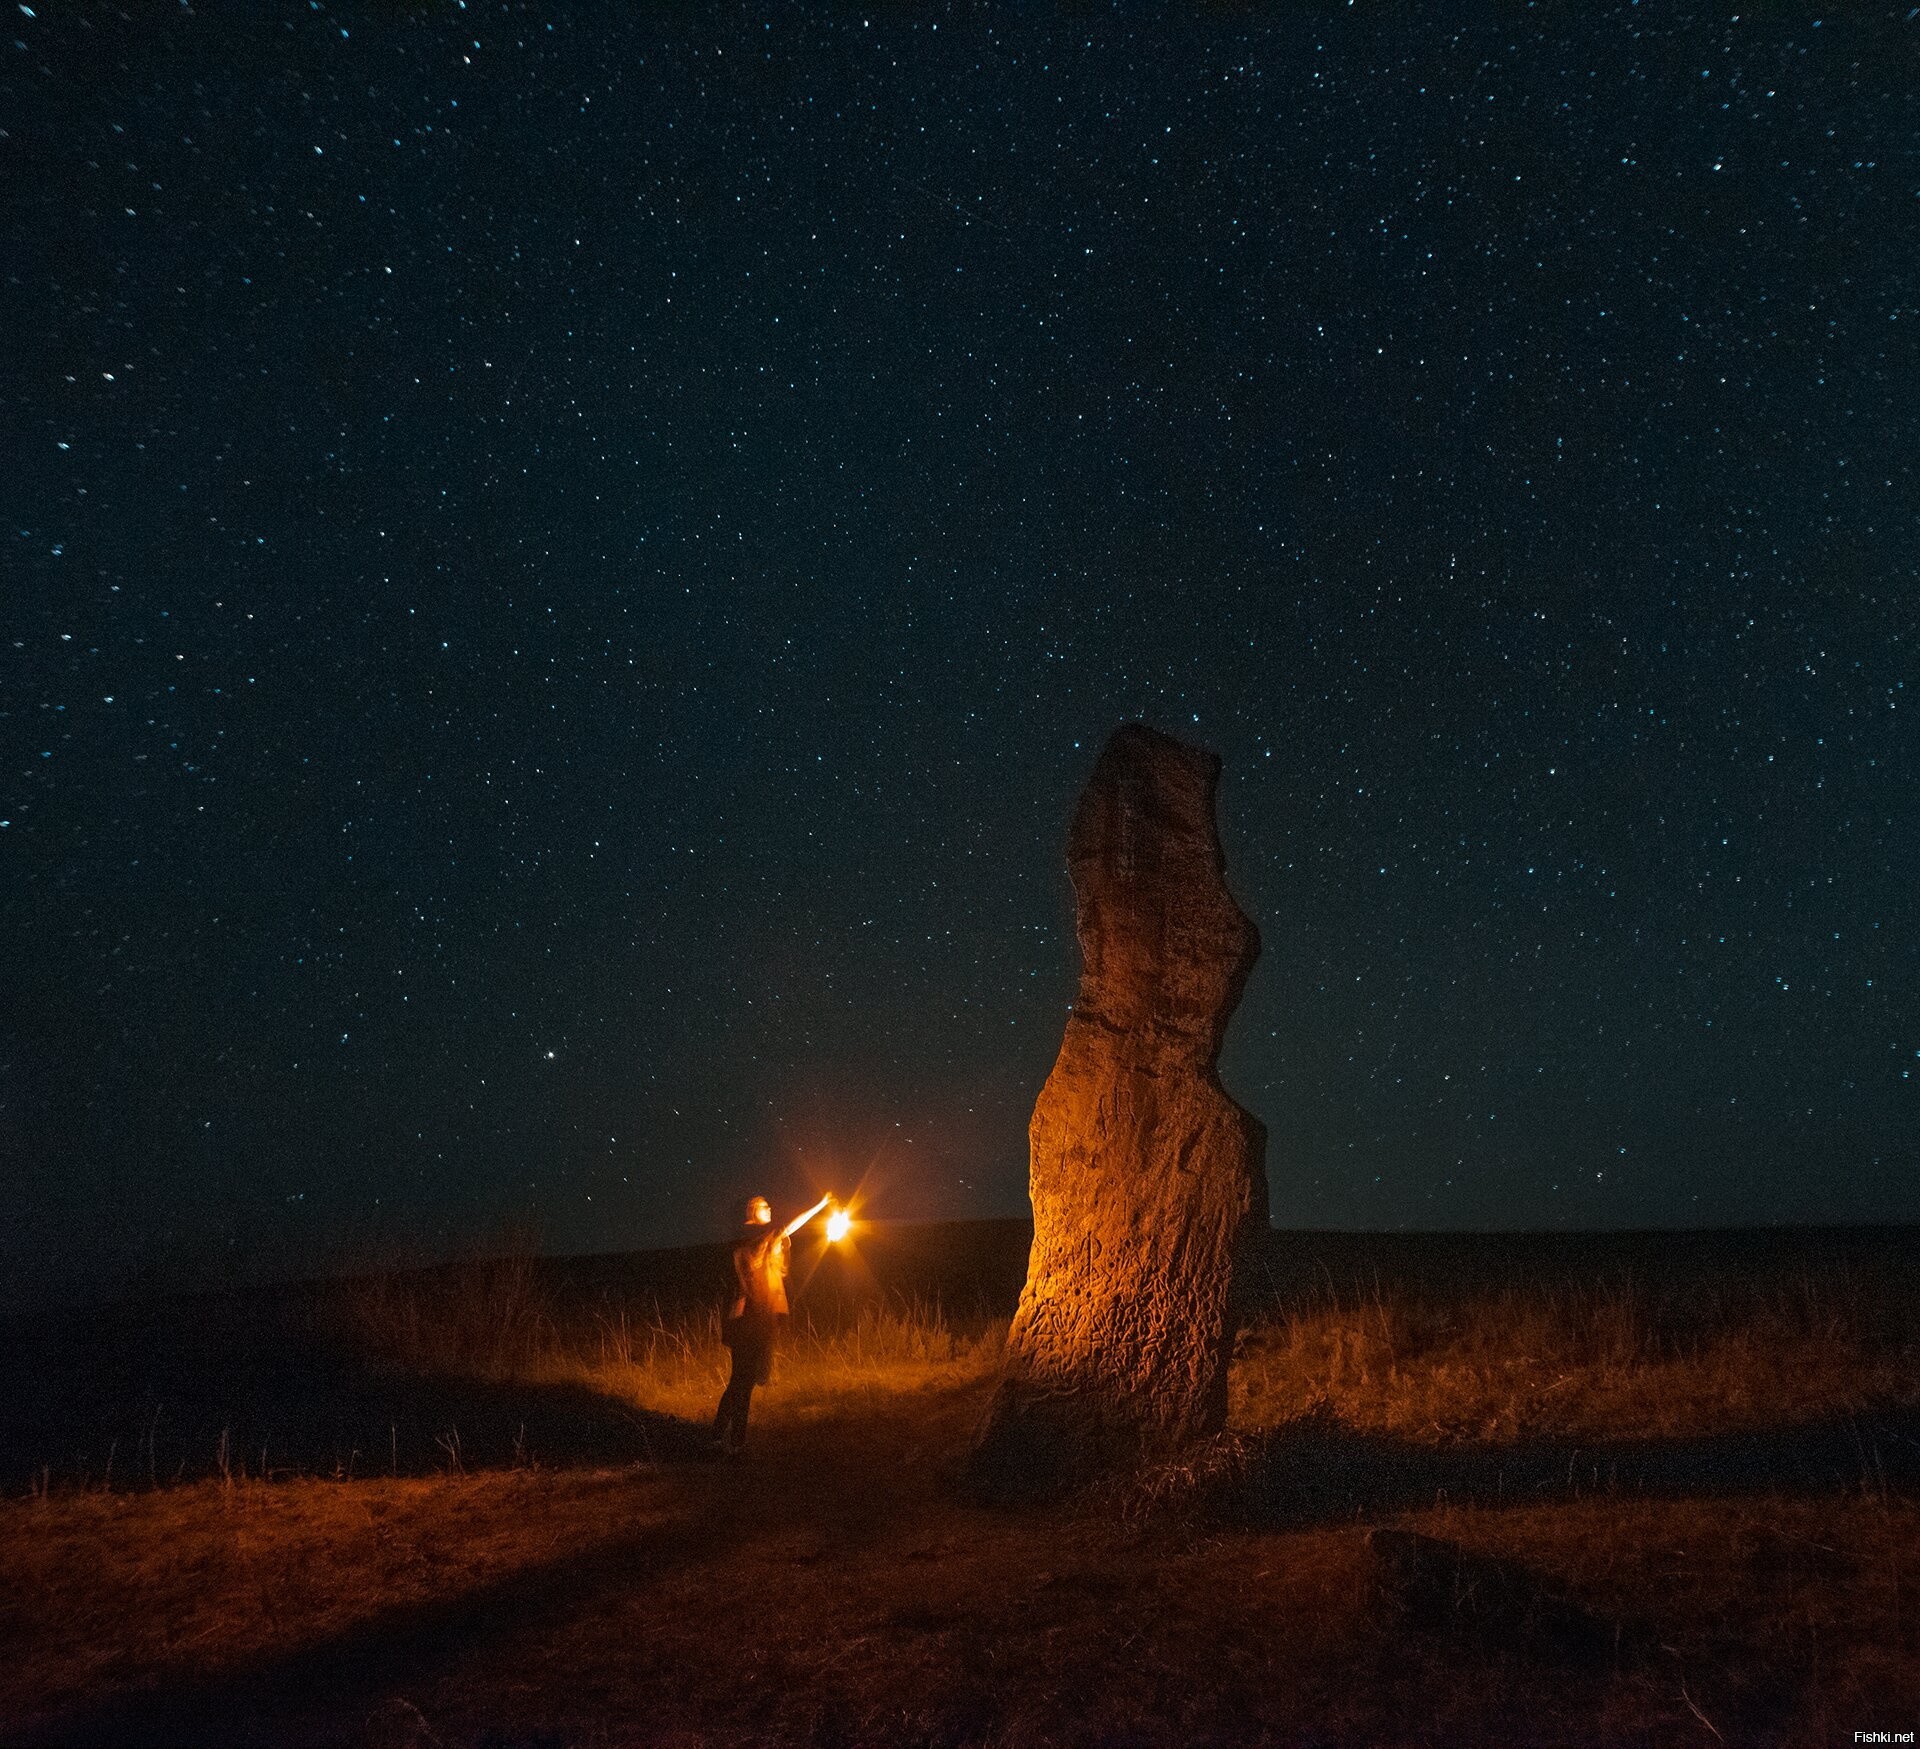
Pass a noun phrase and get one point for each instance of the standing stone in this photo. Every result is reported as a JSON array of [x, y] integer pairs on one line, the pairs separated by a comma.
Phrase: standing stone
[[1148, 1182]]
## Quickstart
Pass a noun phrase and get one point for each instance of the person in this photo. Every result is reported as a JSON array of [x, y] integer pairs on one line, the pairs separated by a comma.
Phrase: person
[[753, 1322]]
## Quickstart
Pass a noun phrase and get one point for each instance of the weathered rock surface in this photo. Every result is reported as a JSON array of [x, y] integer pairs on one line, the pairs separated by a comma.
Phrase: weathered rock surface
[[1148, 1182]]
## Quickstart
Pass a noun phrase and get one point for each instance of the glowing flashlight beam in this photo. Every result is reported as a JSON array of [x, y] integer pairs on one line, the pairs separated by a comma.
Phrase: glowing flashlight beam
[[837, 1224]]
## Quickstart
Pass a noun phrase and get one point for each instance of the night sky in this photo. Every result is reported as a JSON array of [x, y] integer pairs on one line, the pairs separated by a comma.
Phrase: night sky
[[564, 568]]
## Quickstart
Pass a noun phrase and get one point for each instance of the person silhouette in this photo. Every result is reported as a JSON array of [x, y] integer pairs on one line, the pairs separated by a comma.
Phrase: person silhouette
[[754, 1317]]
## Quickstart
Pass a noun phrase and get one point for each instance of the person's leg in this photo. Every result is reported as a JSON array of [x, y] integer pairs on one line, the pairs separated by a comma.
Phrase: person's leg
[[751, 1356], [730, 1420]]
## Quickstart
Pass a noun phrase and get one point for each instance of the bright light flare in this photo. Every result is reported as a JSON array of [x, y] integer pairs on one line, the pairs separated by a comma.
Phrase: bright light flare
[[838, 1224]]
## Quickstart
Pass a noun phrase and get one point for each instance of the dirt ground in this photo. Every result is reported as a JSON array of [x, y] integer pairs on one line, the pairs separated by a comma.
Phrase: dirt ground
[[1477, 1491], [835, 1587]]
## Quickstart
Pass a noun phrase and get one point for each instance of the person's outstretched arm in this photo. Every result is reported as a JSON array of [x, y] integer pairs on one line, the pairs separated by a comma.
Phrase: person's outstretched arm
[[799, 1221]]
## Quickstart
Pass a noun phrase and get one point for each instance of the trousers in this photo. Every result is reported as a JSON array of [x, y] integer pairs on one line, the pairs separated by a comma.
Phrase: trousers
[[752, 1337]]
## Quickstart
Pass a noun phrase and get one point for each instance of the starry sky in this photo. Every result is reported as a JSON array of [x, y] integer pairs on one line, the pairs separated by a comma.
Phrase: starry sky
[[565, 565]]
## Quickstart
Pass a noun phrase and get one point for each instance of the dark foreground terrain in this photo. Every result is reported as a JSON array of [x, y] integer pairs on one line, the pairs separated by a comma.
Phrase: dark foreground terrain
[[1628, 1490]]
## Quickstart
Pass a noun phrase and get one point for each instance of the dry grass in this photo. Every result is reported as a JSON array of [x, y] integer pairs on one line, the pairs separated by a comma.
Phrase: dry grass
[[1603, 1360], [1613, 1359], [838, 1589], [491, 1318]]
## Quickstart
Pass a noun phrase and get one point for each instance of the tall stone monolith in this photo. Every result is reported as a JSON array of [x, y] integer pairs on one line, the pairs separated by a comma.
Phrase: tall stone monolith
[[1148, 1181]]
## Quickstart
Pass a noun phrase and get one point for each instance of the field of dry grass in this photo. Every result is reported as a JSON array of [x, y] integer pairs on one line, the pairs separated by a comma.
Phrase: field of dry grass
[[1600, 1359], [492, 1319], [1454, 1506]]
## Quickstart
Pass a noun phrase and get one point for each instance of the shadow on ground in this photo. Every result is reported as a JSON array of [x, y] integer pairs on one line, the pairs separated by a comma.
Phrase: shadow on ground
[[126, 1400], [1316, 1470], [847, 1482], [309, 1694], [868, 1478]]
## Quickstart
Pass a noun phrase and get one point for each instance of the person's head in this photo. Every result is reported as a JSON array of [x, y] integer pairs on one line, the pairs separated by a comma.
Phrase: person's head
[[759, 1212]]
